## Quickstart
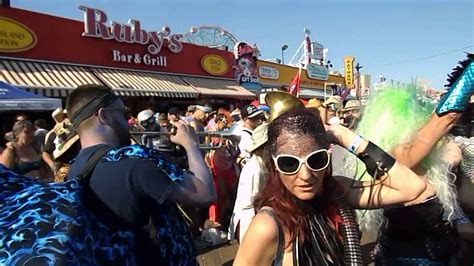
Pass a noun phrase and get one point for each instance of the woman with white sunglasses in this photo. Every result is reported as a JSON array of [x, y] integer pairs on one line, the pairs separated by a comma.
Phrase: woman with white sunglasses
[[304, 212]]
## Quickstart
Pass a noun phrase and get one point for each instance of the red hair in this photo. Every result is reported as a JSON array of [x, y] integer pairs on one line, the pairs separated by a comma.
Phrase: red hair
[[292, 212]]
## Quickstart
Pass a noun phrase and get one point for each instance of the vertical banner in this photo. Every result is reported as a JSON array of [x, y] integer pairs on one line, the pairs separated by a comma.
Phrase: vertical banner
[[349, 67], [246, 65]]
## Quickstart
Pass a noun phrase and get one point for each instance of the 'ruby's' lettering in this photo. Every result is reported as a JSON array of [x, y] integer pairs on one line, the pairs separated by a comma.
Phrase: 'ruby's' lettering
[[95, 26]]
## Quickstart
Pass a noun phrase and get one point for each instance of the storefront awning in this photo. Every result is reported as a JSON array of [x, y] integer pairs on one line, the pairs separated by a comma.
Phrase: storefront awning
[[135, 83], [48, 79], [209, 87], [57, 80]]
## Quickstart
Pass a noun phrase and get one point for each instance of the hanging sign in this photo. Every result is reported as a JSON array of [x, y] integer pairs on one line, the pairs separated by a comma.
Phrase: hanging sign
[[349, 67]]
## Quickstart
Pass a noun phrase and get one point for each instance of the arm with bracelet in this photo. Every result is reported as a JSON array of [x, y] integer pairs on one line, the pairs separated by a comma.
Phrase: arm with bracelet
[[396, 184]]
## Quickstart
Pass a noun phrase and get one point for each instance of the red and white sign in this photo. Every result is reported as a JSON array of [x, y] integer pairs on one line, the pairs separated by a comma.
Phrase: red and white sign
[[94, 42], [95, 26]]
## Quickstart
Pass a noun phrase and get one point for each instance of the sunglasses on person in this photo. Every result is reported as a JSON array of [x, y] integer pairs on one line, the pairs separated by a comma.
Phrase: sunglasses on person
[[290, 164], [332, 107], [148, 122]]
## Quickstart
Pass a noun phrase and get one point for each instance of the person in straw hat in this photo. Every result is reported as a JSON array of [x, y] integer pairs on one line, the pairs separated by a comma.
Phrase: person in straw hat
[[48, 147], [351, 113], [66, 149], [251, 180], [332, 110]]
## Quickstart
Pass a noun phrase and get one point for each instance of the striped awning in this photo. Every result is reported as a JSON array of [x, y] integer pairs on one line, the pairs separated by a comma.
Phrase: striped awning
[[48, 79], [209, 87], [134, 83], [58, 79]]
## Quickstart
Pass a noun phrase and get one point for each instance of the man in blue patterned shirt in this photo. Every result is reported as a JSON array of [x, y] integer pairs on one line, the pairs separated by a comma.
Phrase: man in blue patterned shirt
[[134, 184]]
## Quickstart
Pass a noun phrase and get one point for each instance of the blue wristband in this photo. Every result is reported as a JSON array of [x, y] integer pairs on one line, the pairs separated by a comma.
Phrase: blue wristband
[[355, 143]]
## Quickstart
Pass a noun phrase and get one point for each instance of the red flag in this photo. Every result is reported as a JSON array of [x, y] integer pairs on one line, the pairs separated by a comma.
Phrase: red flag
[[294, 87]]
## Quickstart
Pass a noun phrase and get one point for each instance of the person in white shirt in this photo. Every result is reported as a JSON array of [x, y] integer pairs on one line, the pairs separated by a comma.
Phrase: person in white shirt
[[252, 118], [251, 181]]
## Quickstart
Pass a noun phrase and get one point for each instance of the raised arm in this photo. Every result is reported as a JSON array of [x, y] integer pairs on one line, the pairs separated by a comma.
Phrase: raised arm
[[197, 188], [396, 183], [426, 138]]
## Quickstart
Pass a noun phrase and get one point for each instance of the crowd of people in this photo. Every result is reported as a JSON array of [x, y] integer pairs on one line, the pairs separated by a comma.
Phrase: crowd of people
[[273, 177]]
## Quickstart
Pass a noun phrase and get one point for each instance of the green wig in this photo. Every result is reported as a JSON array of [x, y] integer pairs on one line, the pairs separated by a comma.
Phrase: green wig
[[392, 117]]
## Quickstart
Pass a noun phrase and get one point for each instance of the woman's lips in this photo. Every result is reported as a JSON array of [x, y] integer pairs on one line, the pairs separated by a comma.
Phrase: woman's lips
[[306, 187]]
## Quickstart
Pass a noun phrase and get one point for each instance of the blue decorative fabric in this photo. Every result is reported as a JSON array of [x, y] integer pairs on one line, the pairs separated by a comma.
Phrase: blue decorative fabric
[[174, 240], [137, 151], [46, 224], [459, 92]]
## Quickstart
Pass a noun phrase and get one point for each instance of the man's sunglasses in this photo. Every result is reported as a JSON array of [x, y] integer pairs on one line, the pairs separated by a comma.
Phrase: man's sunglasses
[[289, 164]]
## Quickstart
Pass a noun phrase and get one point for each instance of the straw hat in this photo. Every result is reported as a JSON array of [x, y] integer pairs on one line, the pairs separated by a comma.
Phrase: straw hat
[[333, 100], [352, 105], [66, 137], [58, 113], [259, 137], [313, 103]]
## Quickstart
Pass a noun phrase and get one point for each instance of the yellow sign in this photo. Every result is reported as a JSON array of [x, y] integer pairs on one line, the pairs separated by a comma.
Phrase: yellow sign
[[15, 37], [214, 65], [287, 73], [348, 65]]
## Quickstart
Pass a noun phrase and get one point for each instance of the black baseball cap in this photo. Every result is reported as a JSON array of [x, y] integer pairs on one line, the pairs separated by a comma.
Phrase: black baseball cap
[[250, 111]]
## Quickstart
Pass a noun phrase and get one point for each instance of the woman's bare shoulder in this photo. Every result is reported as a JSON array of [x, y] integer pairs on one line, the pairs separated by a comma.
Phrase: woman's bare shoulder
[[264, 225], [259, 246]]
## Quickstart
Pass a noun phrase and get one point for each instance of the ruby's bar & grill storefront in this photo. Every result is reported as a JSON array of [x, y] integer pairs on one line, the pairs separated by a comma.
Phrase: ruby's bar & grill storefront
[[51, 56]]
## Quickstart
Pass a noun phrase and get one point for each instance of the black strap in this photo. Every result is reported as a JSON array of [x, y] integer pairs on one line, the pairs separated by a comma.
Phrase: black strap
[[376, 160], [247, 130], [281, 237], [92, 162], [91, 107], [93, 202]]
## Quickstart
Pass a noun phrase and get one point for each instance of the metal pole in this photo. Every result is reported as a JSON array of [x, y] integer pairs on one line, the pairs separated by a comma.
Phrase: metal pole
[[324, 91], [282, 57]]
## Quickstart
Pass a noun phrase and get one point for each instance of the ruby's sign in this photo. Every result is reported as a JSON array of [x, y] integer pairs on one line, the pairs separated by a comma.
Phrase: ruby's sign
[[98, 41], [95, 21]]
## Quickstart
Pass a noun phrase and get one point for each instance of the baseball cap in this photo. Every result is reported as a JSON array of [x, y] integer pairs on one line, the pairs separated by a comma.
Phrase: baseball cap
[[250, 111], [162, 116], [173, 111], [145, 115], [191, 108], [205, 109]]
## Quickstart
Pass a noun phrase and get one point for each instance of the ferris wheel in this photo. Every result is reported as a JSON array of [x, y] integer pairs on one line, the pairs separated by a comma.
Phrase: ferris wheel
[[211, 36]]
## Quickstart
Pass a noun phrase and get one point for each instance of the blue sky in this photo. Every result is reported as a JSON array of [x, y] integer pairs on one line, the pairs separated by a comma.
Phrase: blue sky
[[390, 37]]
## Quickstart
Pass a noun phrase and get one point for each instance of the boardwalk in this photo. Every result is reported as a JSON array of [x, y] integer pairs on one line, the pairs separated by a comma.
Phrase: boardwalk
[[220, 255]]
